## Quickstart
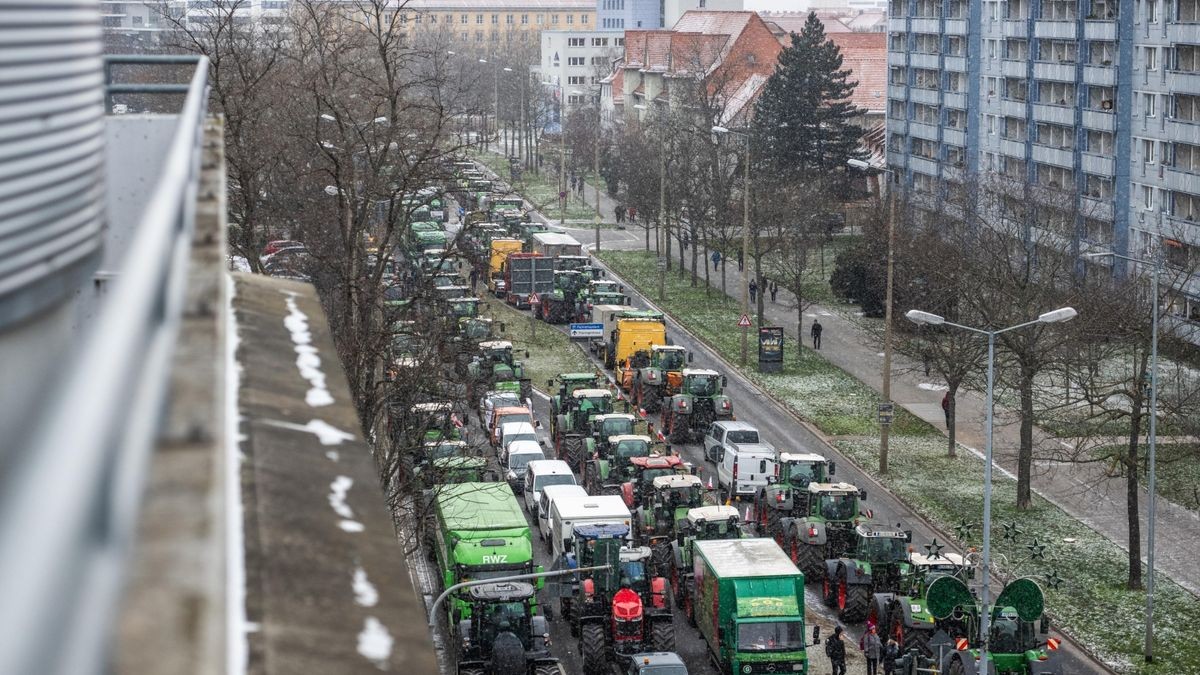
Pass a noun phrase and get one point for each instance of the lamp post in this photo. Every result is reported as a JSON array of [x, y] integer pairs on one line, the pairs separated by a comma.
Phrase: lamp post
[[659, 237], [1156, 263], [745, 237], [926, 318], [885, 428]]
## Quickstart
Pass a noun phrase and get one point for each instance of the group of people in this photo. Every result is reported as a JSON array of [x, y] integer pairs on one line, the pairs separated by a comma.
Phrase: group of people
[[577, 184], [872, 647], [621, 212]]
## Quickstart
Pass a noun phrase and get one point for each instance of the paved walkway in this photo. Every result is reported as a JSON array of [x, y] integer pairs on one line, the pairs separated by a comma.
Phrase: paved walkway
[[1084, 491]]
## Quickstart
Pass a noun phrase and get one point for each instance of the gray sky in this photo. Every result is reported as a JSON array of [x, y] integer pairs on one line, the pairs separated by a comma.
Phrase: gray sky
[[777, 5]]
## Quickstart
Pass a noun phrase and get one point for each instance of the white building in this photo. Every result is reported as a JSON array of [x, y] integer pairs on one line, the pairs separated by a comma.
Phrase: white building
[[577, 60], [150, 17]]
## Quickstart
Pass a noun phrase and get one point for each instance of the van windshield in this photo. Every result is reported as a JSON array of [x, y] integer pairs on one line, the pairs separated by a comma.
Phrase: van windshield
[[774, 636], [519, 462], [541, 482], [746, 436]]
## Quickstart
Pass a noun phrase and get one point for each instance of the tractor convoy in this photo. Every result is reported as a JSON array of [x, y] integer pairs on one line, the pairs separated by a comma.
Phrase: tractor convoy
[[636, 530]]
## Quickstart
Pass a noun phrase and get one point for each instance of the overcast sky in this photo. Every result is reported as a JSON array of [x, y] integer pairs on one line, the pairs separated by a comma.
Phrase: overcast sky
[[777, 5]]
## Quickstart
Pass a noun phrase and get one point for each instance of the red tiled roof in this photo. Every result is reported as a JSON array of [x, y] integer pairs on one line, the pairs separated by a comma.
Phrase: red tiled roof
[[783, 24], [865, 55], [713, 22]]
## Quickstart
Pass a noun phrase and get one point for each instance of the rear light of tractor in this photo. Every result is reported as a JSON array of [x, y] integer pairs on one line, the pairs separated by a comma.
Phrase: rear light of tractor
[[735, 470], [725, 405], [779, 496], [812, 531]]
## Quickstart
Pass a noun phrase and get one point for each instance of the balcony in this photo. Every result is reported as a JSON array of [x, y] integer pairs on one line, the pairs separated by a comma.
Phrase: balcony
[[1105, 76], [956, 64], [922, 60], [927, 96], [1099, 30], [897, 159], [1011, 108], [1183, 81], [926, 25], [897, 58], [1097, 208], [954, 136], [1054, 29], [1183, 181], [1183, 131], [954, 100], [898, 92], [1058, 114], [1014, 68], [1018, 28], [1056, 156], [1012, 148], [897, 25], [1099, 120], [1100, 165], [923, 165], [956, 27], [895, 126], [1060, 72], [922, 130], [1183, 32]]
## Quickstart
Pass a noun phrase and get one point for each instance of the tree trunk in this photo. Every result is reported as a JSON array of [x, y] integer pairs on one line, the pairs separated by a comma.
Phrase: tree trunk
[[951, 418], [724, 288], [1025, 453], [1132, 467], [707, 273], [666, 237], [695, 252]]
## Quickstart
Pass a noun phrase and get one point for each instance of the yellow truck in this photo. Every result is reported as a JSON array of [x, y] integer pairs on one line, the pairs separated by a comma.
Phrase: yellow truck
[[628, 347], [500, 250]]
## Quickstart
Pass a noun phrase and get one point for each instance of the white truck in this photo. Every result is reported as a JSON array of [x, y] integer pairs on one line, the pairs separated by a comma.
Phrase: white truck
[[554, 244], [567, 512]]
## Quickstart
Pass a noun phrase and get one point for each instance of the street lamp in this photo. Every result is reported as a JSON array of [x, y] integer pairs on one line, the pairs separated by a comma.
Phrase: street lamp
[[659, 237], [927, 318], [1151, 498], [885, 426], [745, 238]]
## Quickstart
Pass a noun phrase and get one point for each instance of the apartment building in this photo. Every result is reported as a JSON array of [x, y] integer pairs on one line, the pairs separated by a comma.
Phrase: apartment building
[[622, 14], [578, 61], [490, 23], [1098, 98]]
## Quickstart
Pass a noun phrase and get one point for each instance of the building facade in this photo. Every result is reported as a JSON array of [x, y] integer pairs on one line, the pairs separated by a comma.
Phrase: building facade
[[673, 10], [622, 14], [490, 23], [578, 61], [1098, 98]]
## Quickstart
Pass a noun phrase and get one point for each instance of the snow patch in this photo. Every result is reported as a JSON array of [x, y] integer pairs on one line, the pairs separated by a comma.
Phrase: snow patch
[[237, 646], [326, 433], [995, 466], [308, 359], [375, 642], [352, 526], [365, 593], [333, 455], [930, 386], [337, 500]]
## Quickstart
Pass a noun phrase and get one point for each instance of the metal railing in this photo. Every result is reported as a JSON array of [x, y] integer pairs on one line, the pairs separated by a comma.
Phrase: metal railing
[[70, 504]]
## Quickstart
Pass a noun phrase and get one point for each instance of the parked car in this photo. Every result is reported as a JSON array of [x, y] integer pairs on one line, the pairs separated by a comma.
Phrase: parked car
[[653, 663]]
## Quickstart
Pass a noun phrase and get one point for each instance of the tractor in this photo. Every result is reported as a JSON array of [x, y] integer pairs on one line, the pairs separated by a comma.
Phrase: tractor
[[643, 471], [664, 507], [605, 427], [661, 378], [559, 305], [904, 615], [606, 472], [618, 611], [786, 495], [502, 635], [699, 403], [426, 422], [571, 427], [702, 523], [567, 384], [878, 563], [495, 368], [826, 531]]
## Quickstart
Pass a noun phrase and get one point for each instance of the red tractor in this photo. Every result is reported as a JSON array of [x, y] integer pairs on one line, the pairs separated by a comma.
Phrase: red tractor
[[643, 471]]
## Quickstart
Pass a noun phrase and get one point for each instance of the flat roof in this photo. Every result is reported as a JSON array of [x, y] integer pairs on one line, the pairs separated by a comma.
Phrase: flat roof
[[589, 393], [831, 487], [676, 481], [598, 505], [699, 371], [629, 437], [556, 238], [480, 506], [801, 457], [746, 557], [712, 513]]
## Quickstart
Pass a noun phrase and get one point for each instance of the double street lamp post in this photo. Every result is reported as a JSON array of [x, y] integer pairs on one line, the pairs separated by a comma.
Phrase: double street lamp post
[[926, 318]]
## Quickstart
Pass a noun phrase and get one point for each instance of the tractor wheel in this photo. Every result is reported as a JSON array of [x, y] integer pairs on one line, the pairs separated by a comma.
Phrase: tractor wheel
[[592, 648], [828, 592], [564, 612], [689, 609], [957, 667], [808, 559], [572, 452], [908, 637], [857, 601], [676, 587], [678, 431], [470, 671], [662, 635], [660, 559], [878, 614], [651, 401], [546, 669]]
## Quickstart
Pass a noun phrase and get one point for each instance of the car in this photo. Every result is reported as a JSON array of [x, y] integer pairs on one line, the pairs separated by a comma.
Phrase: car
[[506, 415], [280, 244], [515, 431], [517, 456], [497, 399], [746, 467], [543, 473], [722, 434], [653, 663]]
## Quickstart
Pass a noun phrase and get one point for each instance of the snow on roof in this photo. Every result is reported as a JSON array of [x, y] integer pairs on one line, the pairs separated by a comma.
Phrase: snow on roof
[[740, 558], [865, 56], [942, 559], [801, 457], [590, 393], [555, 238], [743, 97], [831, 487], [711, 513], [628, 437], [677, 481], [699, 371]]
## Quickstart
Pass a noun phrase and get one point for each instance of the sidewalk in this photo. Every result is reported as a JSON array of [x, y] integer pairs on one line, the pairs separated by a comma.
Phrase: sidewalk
[[1084, 491]]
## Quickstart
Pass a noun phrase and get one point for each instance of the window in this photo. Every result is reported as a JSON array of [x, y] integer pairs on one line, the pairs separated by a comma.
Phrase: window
[[1056, 93], [896, 109], [478, 19], [1186, 157], [922, 147], [1056, 136], [599, 60], [1060, 10], [524, 19], [1100, 98], [1101, 53], [1187, 58], [1149, 104], [955, 45], [897, 75], [956, 82], [1188, 12], [956, 9], [896, 42], [926, 114], [554, 18], [599, 42], [539, 19], [575, 60], [1150, 58], [1152, 11], [576, 79], [1149, 150], [925, 43], [1185, 206], [1016, 50], [1014, 168], [1187, 107], [990, 123], [1058, 51], [1015, 129], [928, 9], [508, 19], [1054, 176], [495, 19], [1099, 142], [925, 78], [955, 155], [1017, 9], [1147, 195], [1016, 89], [1097, 187], [479, 36], [583, 19], [576, 42], [619, 42], [463, 19], [993, 48], [570, 18], [1097, 231], [956, 119], [993, 85], [1104, 9], [417, 18]]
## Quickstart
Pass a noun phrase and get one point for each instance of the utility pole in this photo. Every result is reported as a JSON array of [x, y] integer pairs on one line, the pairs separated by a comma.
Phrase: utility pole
[[745, 252], [562, 156], [662, 212], [596, 176], [885, 429]]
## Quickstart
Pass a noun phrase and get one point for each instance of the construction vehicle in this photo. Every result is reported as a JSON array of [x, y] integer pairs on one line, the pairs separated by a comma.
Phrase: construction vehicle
[[606, 473], [634, 332], [567, 384], [664, 507], [479, 530], [699, 403], [787, 495], [877, 563], [495, 368], [748, 602], [826, 531], [701, 524], [661, 378], [571, 427], [904, 616], [503, 635], [618, 611], [527, 276], [500, 249]]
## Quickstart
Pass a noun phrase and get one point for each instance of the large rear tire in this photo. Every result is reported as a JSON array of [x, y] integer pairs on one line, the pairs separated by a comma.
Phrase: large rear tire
[[662, 635], [957, 667], [858, 599], [547, 669], [810, 559], [592, 648], [573, 453], [878, 614]]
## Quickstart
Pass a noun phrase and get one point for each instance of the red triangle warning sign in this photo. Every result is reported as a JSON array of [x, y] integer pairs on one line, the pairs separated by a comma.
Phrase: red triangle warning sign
[[744, 322]]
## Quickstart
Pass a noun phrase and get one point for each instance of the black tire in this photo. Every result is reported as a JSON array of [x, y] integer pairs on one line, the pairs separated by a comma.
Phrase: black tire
[[573, 452], [592, 648], [650, 399], [956, 667], [564, 613], [810, 560], [470, 671], [677, 589], [689, 610], [878, 614], [547, 669], [829, 592], [662, 635], [909, 637], [858, 600]]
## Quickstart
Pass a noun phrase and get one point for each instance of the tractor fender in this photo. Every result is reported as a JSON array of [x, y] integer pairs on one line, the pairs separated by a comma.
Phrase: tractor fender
[[905, 606], [722, 406], [677, 555], [603, 468], [812, 533], [658, 592], [589, 445], [652, 376], [539, 627], [682, 404], [967, 659], [855, 575], [627, 493], [831, 568]]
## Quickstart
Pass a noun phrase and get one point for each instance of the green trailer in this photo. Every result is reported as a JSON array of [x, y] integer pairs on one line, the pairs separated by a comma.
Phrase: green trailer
[[481, 533], [749, 606]]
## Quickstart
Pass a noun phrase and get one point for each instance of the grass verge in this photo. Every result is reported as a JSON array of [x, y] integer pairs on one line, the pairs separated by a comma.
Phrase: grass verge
[[550, 352], [1177, 470], [541, 189], [1092, 605]]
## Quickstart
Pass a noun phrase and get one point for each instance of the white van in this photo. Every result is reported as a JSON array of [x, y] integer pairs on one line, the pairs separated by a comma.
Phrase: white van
[[567, 512], [517, 455], [540, 473], [514, 431], [744, 468], [550, 493]]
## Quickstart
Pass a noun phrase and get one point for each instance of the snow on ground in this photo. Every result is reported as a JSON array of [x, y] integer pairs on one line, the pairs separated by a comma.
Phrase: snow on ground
[[238, 648], [375, 642], [308, 359], [365, 593]]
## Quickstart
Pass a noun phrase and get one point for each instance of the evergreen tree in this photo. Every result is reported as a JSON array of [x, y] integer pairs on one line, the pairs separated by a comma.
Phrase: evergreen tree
[[804, 120]]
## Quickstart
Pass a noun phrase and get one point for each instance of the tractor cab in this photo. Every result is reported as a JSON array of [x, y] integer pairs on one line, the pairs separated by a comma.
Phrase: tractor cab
[[604, 427], [667, 504], [834, 502], [668, 357], [503, 633], [797, 470], [437, 419], [881, 546], [711, 522], [465, 307], [625, 448], [476, 327], [589, 402], [643, 471], [496, 352], [451, 292], [702, 382], [567, 384], [576, 264], [457, 469]]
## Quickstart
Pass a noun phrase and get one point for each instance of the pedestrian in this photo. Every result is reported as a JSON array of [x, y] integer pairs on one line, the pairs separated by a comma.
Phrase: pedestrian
[[835, 649], [774, 291], [816, 331], [740, 259], [574, 180], [753, 290], [619, 212], [474, 278], [716, 258], [872, 648], [891, 654], [581, 184], [633, 214], [925, 361], [946, 407]]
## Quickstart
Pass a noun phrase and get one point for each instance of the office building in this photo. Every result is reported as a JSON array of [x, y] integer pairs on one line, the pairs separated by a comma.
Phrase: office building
[[579, 60], [489, 23], [622, 14]]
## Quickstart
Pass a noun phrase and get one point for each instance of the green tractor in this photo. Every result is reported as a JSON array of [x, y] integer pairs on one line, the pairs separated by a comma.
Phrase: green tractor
[[878, 563], [567, 384], [495, 368], [503, 635], [559, 305], [619, 611], [826, 531], [664, 508], [698, 404], [904, 615], [701, 524], [571, 427], [430, 422], [662, 378], [607, 471], [786, 495]]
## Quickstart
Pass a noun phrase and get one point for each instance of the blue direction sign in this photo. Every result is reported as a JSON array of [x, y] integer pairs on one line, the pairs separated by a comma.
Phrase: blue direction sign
[[587, 330]]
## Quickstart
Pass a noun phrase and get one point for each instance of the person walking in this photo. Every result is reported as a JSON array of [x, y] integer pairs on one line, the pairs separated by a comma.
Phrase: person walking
[[716, 258], [946, 408], [619, 212], [835, 649], [774, 291], [633, 214], [741, 258], [872, 648], [816, 331], [891, 654], [474, 277], [753, 290], [581, 184]]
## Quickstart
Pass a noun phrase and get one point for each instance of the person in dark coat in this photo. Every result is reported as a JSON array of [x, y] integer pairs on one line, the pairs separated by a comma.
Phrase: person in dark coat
[[891, 654], [774, 291], [716, 258], [816, 331], [753, 290], [835, 649], [946, 408]]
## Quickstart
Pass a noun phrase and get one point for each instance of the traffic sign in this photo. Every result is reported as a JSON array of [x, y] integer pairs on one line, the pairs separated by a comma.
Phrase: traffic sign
[[587, 330], [744, 322], [533, 299], [886, 412]]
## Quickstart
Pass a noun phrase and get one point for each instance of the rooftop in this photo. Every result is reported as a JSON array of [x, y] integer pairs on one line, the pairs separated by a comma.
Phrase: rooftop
[[484, 6], [865, 55], [746, 558]]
